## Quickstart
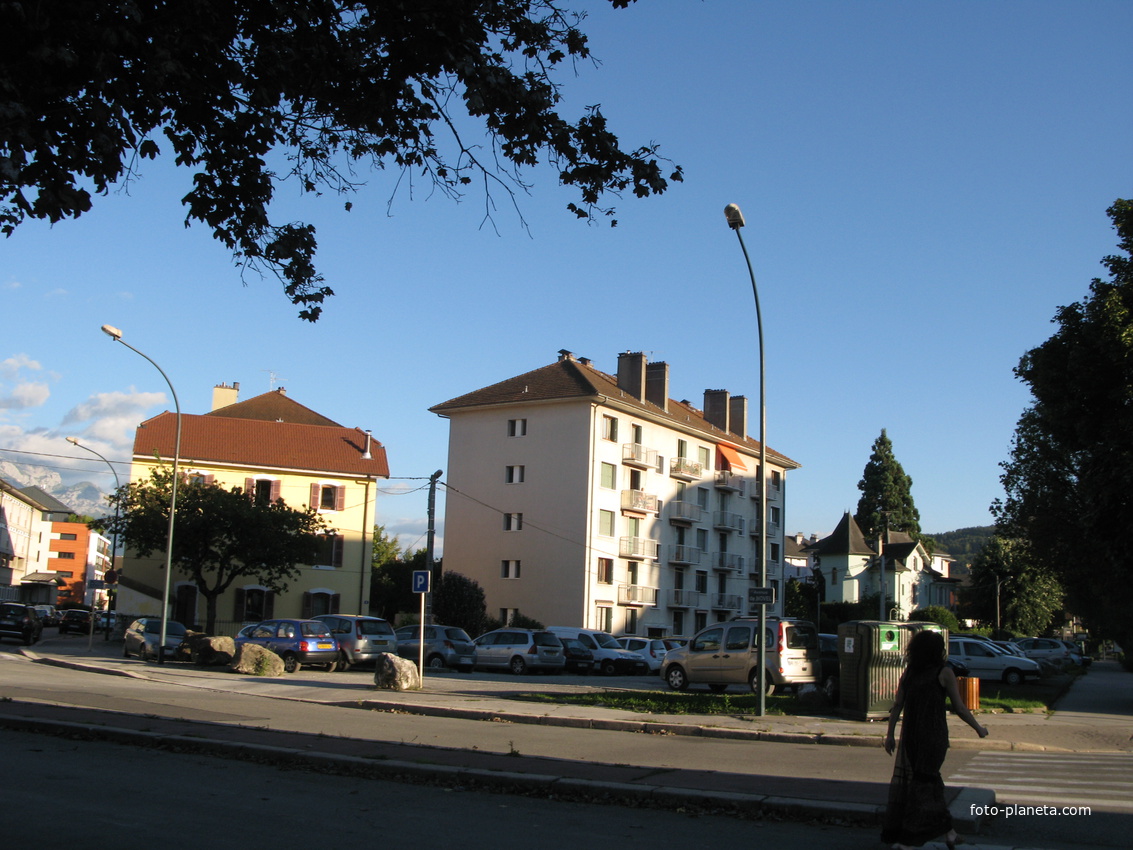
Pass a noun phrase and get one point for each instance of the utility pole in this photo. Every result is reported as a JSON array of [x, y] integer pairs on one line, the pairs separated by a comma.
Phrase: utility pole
[[429, 565]]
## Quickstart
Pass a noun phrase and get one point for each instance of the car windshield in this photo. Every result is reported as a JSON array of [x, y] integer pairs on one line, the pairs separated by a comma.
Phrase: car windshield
[[11, 611], [315, 630], [547, 639], [457, 635], [374, 627], [606, 641]]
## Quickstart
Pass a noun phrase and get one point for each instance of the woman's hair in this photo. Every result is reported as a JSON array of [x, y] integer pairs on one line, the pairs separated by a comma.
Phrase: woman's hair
[[925, 650]]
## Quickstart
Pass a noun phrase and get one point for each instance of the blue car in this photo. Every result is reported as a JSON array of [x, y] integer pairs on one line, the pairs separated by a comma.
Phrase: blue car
[[297, 642]]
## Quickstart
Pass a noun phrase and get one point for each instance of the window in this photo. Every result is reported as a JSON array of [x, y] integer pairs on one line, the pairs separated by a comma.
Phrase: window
[[65, 555], [701, 581], [262, 490], [682, 448], [316, 602], [678, 622], [253, 604], [705, 457], [328, 497], [509, 569], [605, 618], [513, 522], [330, 551], [514, 475], [605, 571], [638, 433], [833, 575], [699, 620], [776, 479], [702, 497], [609, 479], [517, 427], [609, 428], [631, 621], [775, 553], [606, 523], [702, 539], [68, 536], [776, 515], [631, 572]]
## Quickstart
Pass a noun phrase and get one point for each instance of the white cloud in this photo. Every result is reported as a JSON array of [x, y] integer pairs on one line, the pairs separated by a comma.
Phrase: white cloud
[[10, 368], [24, 396], [112, 417]]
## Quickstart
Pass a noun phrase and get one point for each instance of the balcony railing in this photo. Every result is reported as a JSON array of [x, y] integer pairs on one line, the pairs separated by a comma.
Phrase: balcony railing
[[635, 454], [730, 561], [729, 481], [636, 594], [681, 554], [637, 547], [684, 512], [727, 601], [685, 598], [639, 500], [682, 467], [728, 521]]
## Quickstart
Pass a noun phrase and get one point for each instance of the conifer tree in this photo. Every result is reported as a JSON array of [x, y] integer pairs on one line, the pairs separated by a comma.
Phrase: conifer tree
[[887, 499]]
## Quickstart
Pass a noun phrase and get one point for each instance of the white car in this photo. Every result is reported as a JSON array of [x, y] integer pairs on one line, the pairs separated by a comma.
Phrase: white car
[[985, 660]]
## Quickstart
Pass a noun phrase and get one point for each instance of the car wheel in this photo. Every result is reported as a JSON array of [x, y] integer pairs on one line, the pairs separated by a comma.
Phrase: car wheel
[[1013, 677], [717, 688], [125, 650], [291, 663], [344, 663], [518, 666], [435, 662], [768, 683], [608, 668], [332, 666], [143, 655], [830, 687], [676, 678]]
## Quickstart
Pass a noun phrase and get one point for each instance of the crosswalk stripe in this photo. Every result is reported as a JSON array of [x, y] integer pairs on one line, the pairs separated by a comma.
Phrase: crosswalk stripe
[[1098, 781]]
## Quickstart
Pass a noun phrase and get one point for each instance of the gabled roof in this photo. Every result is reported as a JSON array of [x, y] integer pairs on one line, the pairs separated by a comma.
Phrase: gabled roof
[[570, 379], [846, 539], [274, 407], [47, 502], [261, 444]]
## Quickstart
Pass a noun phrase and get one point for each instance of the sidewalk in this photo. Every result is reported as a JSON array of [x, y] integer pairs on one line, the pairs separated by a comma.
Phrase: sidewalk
[[556, 760]]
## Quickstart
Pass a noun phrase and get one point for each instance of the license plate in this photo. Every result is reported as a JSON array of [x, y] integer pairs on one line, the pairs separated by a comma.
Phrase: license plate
[[325, 645], [466, 659]]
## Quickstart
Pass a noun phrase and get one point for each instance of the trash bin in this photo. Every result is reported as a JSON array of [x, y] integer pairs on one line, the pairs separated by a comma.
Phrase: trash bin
[[969, 691], [871, 659]]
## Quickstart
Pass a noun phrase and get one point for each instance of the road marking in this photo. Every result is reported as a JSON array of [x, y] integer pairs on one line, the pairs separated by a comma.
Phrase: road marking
[[1102, 781]]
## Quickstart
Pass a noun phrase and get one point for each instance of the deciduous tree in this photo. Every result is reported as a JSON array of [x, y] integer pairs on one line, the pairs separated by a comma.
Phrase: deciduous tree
[[246, 95], [1011, 589]]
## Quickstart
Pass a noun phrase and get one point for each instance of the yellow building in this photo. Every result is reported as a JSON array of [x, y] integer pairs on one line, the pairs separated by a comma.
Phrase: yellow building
[[272, 447]]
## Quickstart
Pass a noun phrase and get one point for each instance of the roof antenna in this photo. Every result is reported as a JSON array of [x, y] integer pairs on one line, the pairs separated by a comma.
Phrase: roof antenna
[[273, 376]]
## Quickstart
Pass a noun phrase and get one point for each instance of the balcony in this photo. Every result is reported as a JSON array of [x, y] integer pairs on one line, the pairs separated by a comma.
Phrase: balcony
[[774, 492], [684, 513], [639, 500], [637, 547], [635, 454], [730, 481], [728, 521], [688, 555], [726, 601], [685, 469], [685, 599], [636, 594], [774, 570], [728, 561]]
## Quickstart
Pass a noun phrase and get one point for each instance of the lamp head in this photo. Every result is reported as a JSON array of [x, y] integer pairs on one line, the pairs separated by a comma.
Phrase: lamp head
[[732, 213], [73, 440], [112, 332]]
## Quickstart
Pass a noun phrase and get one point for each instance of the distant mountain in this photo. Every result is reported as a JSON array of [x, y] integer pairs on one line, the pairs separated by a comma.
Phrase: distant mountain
[[83, 498], [964, 543]]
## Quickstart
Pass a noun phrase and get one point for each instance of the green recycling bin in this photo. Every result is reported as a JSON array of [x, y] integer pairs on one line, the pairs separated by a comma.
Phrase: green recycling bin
[[871, 659]]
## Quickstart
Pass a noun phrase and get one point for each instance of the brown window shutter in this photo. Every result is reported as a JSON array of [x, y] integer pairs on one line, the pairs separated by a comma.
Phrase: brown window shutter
[[305, 612], [275, 488], [335, 601], [336, 551], [250, 488], [316, 492], [340, 497], [269, 605], [208, 478], [238, 614]]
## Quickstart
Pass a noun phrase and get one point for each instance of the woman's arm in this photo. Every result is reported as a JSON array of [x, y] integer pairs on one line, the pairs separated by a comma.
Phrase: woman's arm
[[894, 713], [948, 681]]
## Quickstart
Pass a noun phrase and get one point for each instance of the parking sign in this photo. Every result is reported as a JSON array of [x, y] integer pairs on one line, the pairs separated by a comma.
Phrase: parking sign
[[420, 581]]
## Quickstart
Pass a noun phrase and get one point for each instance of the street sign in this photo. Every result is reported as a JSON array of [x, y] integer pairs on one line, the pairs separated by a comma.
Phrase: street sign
[[96, 584], [421, 581], [761, 595]]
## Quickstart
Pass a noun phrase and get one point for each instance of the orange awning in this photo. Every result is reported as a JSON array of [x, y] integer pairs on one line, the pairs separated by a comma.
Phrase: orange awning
[[729, 453]]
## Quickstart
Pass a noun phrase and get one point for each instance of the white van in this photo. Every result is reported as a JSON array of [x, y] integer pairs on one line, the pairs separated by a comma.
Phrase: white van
[[609, 656]]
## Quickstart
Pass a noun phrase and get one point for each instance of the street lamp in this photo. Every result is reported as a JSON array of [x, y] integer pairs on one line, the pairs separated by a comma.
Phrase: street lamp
[[74, 441], [736, 222], [116, 335]]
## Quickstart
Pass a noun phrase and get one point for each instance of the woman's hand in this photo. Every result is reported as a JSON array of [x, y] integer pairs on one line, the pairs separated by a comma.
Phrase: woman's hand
[[982, 731], [891, 745]]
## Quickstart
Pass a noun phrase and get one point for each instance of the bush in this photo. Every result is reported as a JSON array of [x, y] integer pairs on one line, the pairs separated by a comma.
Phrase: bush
[[937, 614]]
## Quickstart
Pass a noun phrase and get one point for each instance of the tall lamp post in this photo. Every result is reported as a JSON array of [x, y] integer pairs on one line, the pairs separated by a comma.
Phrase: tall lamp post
[[736, 222], [116, 335], [74, 441]]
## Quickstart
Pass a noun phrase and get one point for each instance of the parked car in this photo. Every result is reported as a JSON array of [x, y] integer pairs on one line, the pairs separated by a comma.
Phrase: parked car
[[829, 668], [48, 615], [445, 646], [143, 638], [360, 639], [1045, 648], [578, 659], [609, 656], [21, 621], [1080, 658], [985, 660], [651, 649], [520, 651], [728, 654], [297, 642], [74, 620]]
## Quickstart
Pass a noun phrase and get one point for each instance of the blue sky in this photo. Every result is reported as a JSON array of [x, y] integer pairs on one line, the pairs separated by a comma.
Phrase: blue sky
[[924, 184]]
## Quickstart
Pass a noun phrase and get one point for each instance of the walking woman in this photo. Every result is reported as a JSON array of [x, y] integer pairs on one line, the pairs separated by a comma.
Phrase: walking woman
[[917, 811]]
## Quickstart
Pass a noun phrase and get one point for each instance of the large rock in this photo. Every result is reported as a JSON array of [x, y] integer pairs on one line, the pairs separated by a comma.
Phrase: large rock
[[208, 650], [394, 673], [253, 660]]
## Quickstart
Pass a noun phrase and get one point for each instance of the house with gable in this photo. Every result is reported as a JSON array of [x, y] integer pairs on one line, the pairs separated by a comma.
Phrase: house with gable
[[273, 448], [583, 498]]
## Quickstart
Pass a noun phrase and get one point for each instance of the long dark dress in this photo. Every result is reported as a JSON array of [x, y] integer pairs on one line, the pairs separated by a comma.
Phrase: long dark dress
[[917, 811]]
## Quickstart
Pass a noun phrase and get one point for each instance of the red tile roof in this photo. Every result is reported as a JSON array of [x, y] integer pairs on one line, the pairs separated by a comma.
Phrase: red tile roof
[[568, 378], [273, 407], [261, 444]]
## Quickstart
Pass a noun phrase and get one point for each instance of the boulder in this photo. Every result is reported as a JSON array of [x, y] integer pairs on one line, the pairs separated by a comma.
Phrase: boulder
[[208, 650], [253, 660], [394, 673]]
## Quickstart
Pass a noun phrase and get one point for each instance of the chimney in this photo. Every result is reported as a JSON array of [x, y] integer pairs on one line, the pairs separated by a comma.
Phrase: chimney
[[657, 385], [737, 409], [565, 355], [716, 409], [366, 454], [224, 395], [631, 374]]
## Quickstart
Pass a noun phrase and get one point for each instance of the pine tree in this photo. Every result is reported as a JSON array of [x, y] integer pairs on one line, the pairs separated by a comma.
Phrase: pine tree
[[887, 499]]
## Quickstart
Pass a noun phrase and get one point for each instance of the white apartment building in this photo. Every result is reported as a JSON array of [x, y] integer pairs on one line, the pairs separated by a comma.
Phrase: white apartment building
[[577, 497]]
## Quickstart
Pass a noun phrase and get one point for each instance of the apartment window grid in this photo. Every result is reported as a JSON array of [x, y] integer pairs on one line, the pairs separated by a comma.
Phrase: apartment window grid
[[605, 571], [509, 569], [517, 427], [604, 618], [606, 523], [610, 428], [609, 476], [513, 522], [515, 474], [705, 457]]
